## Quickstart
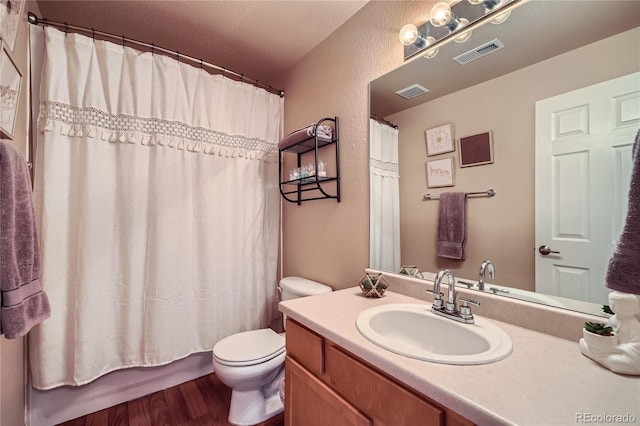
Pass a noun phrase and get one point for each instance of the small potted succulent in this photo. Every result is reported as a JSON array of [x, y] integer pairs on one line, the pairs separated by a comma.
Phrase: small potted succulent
[[600, 338], [599, 329]]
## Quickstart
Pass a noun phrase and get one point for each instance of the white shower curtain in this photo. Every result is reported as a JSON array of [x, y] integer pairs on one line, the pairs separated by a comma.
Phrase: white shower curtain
[[156, 185], [384, 220]]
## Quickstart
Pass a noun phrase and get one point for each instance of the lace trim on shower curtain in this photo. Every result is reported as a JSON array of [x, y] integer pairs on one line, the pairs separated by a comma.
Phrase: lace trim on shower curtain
[[383, 168], [90, 122]]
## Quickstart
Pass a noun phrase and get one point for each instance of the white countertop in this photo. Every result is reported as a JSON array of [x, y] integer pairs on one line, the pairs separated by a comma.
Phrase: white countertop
[[545, 381]]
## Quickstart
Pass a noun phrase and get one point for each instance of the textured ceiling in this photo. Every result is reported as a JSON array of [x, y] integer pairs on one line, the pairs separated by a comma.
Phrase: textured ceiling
[[260, 39]]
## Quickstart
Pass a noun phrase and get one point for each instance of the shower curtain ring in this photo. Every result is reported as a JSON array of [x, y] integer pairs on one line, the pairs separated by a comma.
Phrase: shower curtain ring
[[201, 65], [93, 34], [66, 28], [153, 47], [123, 42], [178, 55]]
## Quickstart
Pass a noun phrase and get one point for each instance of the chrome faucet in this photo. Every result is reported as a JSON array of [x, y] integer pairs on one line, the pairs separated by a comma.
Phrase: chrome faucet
[[487, 264], [450, 310]]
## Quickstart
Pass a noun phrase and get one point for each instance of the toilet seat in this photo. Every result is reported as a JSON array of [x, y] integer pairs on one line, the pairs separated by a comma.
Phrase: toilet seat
[[249, 348]]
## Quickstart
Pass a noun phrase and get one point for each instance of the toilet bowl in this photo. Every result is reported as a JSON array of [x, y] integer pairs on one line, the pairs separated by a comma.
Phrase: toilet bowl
[[251, 363]]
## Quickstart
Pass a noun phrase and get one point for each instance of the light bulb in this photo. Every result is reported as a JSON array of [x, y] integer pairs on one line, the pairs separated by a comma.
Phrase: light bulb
[[440, 14], [409, 34]]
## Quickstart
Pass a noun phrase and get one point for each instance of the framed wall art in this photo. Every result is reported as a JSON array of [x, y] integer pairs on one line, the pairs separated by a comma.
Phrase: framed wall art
[[10, 16], [440, 173], [10, 80], [440, 140], [476, 150]]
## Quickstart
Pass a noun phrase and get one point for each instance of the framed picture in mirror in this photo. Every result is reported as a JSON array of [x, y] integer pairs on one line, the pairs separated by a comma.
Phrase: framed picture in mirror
[[440, 173], [440, 140], [476, 150], [10, 79]]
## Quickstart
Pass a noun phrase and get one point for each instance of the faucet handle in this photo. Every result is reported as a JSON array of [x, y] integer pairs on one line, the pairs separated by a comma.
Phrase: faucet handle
[[466, 302], [465, 310]]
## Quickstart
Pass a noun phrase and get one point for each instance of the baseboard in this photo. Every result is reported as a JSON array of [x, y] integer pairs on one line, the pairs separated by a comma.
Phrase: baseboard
[[51, 407]]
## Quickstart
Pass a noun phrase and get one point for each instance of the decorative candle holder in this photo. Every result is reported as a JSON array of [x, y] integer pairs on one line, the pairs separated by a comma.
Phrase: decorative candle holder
[[373, 285], [412, 271]]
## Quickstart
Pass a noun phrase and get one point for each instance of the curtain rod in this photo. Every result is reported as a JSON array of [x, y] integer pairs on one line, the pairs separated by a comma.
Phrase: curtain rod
[[383, 121], [34, 20]]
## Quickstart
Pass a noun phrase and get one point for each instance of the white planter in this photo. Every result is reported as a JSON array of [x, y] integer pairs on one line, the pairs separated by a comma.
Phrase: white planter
[[598, 344]]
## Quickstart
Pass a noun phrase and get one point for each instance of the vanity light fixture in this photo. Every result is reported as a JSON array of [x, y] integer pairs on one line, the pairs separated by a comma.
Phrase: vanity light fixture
[[452, 20]]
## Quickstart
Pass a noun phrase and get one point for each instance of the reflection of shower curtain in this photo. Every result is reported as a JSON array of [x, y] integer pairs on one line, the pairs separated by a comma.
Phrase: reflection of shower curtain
[[384, 238], [158, 202]]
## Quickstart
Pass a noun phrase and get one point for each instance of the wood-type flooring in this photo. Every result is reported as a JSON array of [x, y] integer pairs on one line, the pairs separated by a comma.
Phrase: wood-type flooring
[[200, 402]]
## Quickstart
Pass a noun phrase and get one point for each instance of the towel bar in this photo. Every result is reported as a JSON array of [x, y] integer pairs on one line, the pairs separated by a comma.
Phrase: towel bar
[[489, 193]]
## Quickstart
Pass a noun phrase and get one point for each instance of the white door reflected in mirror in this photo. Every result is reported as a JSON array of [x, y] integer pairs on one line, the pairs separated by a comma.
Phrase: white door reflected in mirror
[[583, 169]]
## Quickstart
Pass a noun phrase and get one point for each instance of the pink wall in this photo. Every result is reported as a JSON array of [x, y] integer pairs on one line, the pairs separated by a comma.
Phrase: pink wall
[[12, 359], [324, 240]]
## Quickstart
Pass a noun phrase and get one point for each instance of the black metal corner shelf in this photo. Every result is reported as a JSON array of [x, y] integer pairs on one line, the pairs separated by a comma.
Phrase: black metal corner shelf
[[311, 187]]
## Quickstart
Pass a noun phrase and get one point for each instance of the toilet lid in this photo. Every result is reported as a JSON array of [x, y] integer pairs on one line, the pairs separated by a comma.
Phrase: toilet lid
[[303, 287], [249, 347]]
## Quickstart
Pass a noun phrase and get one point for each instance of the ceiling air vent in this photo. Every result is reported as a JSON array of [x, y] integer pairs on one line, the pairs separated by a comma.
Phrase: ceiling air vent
[[412, 91], [479, 52]]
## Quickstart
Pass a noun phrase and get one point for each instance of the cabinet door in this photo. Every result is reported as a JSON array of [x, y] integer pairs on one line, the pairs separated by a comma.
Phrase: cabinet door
[[383, 400], [310, 402]]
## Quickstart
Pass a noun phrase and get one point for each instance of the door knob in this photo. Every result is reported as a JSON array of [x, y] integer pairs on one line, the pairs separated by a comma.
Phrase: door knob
[[545, 250]]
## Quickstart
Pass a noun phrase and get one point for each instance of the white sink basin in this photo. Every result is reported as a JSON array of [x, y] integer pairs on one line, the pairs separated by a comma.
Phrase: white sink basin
[[413, 330]]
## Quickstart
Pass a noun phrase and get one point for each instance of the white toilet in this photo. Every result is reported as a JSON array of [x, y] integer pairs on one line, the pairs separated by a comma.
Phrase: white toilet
[[251, 363]]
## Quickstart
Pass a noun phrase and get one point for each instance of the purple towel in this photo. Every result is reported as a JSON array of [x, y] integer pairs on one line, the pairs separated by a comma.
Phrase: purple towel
[[624, 266], [452, 225], [24, 304]]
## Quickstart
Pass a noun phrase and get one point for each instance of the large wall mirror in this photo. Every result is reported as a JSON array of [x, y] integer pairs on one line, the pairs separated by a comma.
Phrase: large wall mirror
[[533, 90]]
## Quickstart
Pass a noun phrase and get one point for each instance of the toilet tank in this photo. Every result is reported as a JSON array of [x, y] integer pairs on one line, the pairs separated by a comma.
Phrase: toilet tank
[[294, 287]]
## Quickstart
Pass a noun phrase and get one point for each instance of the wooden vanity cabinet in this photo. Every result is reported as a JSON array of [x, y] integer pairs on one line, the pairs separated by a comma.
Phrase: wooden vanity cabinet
[[325, 385]]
